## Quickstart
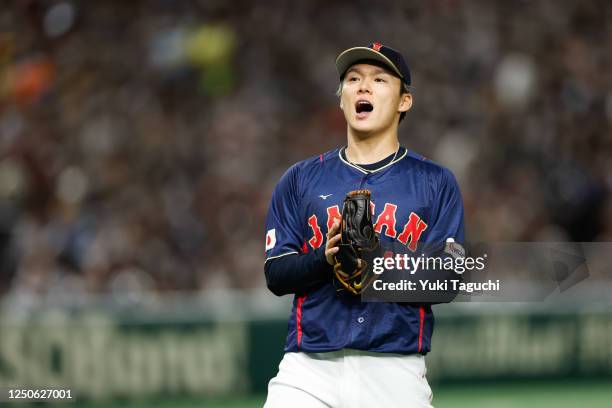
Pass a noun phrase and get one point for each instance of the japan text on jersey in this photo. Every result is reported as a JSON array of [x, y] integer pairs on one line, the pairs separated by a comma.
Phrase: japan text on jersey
[[414, 200]]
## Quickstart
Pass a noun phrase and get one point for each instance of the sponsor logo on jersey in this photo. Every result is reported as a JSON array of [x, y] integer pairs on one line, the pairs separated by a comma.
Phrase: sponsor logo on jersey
[[324, 197], [270, 239]]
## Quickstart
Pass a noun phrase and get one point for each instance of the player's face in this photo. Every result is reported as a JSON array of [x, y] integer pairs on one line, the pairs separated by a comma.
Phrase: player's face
[[371, 99]]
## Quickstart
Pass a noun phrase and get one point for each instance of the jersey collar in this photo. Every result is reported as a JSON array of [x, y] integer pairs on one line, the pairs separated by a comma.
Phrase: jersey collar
[[366, 171]]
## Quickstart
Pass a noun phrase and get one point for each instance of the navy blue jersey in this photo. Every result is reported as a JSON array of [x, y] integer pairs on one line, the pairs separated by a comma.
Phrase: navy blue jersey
[[415, 201]]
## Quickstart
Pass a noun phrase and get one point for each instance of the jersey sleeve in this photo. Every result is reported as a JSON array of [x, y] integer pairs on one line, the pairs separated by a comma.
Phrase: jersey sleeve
[[447, 211], [283, 227], [446, 236]]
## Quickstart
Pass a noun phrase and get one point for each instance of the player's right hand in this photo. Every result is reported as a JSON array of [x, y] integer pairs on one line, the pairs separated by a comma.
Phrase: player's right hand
[[331, 246]]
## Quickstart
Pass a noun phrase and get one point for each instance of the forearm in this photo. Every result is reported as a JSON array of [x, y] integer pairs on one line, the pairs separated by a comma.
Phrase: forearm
[[297, 273]]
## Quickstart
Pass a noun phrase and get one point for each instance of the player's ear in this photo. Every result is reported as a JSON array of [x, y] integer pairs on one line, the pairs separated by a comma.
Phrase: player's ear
[[405, 102]]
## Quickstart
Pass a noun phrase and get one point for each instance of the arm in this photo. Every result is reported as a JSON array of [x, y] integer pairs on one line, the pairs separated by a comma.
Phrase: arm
[[287, 269], [297, 273], [447, 216]]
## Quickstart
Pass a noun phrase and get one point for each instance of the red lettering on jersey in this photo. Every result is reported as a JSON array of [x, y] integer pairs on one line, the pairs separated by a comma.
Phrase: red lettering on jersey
[[304, 248], [332, 214], [413, 230], [317, 238], [387, 219]]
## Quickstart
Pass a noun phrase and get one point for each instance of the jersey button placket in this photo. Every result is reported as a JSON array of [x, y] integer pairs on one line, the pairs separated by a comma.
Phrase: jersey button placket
[[358, 326], [364, 181]]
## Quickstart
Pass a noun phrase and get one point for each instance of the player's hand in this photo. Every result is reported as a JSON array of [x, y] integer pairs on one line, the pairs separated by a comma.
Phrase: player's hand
[[333, 238]]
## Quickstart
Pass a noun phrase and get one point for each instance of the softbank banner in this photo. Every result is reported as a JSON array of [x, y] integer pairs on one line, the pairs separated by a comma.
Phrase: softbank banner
[[485, 272]]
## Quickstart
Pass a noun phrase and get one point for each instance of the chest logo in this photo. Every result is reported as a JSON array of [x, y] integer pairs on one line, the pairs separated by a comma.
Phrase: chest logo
[[324, 197], [386, 223]]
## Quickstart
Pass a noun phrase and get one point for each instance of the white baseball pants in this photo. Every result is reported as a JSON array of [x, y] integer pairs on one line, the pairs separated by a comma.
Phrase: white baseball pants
[[349, 378]]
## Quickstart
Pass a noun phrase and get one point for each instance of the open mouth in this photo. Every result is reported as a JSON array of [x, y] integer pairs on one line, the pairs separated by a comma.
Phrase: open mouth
[[363, 106]]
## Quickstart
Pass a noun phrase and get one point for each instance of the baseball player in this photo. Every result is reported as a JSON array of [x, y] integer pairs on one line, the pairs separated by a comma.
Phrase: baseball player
[[341, 351]]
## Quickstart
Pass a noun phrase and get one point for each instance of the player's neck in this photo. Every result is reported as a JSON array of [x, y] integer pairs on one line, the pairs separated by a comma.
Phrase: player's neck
[[371, 149]]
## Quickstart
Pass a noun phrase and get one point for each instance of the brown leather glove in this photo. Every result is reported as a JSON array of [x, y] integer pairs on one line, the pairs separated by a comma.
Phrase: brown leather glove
[[359, 244]]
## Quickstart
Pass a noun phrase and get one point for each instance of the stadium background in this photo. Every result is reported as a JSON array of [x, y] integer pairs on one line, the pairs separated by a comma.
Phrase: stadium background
[[140, 142]]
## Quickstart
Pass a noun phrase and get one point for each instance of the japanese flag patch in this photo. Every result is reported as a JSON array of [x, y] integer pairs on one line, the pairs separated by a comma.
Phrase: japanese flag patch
[[270, 239]]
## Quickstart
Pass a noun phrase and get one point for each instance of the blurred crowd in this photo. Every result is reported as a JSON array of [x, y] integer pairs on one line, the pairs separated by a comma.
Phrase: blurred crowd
[[140, 141]]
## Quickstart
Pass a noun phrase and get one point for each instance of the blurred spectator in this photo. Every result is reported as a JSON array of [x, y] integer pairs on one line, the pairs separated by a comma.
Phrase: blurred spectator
[[140, 141]]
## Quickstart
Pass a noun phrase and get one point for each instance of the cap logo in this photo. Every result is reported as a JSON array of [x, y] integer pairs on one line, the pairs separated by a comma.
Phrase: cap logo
[[376, 46]]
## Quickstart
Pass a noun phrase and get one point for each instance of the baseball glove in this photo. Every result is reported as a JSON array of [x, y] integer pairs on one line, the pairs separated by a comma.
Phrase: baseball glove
[[359, 243]]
